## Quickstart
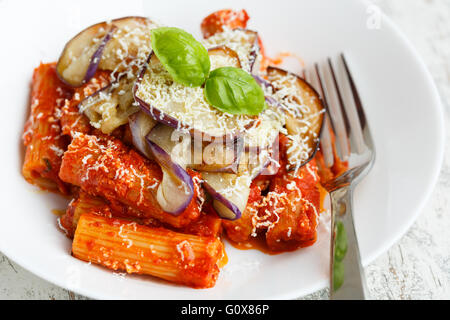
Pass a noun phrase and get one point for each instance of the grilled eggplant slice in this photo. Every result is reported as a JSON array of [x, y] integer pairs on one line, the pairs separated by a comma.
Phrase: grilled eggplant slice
[[82, 54], [265, 162], [223, 56], [217, 156], [174, 143], [271, 122], [304, 112], [209, 156], [130, 44], [229, 191], [263, 134], [185, 108], [176, 189], [110, 107], [109, 45], [245, 42], [140, 125]]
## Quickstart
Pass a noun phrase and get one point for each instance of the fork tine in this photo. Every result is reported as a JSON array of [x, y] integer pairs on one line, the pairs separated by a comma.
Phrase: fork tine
[[344, 135], [323, 92], [356, 97], [354, 109], [336, 116], [325, 141], [339, 95]]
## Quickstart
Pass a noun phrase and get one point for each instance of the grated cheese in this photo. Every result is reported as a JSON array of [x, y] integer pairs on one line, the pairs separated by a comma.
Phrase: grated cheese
[[295, 108], [58, 151], [242, 41], [186, 104]]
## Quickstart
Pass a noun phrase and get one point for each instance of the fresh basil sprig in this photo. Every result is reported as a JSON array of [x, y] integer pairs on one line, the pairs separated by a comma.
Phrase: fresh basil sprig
[[228, 89], [234, 91], [182, 56]]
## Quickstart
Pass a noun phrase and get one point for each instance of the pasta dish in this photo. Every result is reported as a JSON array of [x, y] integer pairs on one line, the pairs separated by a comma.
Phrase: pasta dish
[[166, 145]]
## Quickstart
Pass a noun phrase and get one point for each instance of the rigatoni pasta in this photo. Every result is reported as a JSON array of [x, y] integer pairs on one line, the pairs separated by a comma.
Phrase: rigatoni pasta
[[208, 224], [42, 134], [105, 167], [85, 203], [124, 245]]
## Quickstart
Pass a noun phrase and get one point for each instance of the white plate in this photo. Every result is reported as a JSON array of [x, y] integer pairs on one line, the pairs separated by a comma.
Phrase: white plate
[[402, 104]]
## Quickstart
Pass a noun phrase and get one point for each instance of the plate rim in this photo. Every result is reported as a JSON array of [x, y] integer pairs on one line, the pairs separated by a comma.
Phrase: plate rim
[[439, 160]]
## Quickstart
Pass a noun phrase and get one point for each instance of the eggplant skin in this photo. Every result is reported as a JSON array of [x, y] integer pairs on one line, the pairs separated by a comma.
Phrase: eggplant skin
[[77, 46], [97, 56], [178, 174], [110, 60], [140, 125], [88, 56], [170, 196], [255, 53], [318, 109], [230, 207]]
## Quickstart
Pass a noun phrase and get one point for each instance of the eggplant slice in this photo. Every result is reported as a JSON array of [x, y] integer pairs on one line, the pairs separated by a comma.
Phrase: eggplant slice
[[263, 134], [217, 155], [130, 44], [199, 155], [174, 143], [140, 125], [176, 189], [185, 108], [245, 42], [304, 112], [223, 56], [230, 193], [82, 54], [265, 162], [113, 45], [110, 107]]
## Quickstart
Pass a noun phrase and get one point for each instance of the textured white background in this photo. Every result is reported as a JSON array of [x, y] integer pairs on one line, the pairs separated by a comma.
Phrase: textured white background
[[418, 266]]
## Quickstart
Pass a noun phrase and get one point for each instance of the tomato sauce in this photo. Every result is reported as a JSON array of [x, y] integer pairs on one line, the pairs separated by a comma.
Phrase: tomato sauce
[[259, 242], [58, 212], [255, 243], [223, 261]]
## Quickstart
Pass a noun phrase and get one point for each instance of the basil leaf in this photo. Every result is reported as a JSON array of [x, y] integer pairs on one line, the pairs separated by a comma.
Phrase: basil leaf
[[234, 91], [182, 56]]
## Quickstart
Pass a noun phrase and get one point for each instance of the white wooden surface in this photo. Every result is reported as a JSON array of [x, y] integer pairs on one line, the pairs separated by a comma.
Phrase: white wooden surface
[[418, 266]]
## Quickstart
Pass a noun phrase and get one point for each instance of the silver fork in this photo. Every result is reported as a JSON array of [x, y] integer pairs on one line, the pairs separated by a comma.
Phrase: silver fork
[[352, 144]]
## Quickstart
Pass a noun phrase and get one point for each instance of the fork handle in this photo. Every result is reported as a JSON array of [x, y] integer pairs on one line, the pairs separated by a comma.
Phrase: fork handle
[[347, 281]]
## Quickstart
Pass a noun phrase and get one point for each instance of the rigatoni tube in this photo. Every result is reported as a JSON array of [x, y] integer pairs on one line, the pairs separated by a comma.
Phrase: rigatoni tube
[[124, 245]]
